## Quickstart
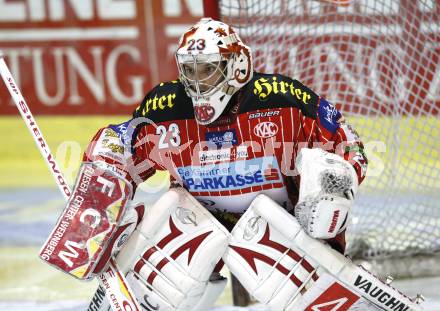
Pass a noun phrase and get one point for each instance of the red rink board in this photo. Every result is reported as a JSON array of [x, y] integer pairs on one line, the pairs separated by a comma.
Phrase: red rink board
[[102, 56], [90, 57]]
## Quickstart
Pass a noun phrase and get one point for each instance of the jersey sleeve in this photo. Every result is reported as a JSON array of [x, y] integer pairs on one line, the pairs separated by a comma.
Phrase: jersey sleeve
[[112, 147], [329, 131], [321, 123], [338, 136]]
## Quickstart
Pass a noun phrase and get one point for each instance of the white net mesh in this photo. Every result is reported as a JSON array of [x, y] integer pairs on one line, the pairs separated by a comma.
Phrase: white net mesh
[[378, 61]]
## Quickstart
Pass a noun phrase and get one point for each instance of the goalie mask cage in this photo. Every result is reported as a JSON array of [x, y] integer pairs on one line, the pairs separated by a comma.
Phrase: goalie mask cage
[[378, 61]]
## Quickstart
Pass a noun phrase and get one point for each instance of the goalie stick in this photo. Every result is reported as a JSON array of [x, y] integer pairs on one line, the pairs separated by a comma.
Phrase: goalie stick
[[116, 288]]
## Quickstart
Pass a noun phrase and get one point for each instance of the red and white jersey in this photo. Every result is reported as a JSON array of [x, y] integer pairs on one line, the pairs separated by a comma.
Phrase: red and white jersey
[[251, 149]]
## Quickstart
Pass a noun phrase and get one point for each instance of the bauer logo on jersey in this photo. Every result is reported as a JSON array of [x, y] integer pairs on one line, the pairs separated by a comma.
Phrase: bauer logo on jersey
[[264, 114], [266, 129], [222, 138], [231, 176], [328, 115]]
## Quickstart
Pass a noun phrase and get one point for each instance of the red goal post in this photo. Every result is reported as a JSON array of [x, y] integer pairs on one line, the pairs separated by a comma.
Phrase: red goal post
[[211, 9], [379, 62]]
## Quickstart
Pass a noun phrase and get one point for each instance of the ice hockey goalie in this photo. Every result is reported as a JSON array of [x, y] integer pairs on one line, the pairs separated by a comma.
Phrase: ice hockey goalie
[[231, 138]]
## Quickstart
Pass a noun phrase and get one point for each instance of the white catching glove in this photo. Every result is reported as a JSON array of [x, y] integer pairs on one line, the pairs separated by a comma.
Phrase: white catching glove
[[326, 193]]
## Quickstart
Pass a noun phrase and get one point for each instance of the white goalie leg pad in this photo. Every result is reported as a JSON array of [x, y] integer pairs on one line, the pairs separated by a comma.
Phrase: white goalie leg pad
[[259, 254], [326, 192], [151, 300], [213, 290], [283, 267], [173, 252]]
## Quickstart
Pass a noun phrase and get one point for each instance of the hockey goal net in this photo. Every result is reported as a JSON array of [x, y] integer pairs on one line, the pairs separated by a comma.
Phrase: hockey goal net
[[378, 61]]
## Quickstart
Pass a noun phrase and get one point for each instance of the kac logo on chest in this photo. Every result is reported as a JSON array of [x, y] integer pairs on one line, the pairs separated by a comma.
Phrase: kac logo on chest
[[266, 129]]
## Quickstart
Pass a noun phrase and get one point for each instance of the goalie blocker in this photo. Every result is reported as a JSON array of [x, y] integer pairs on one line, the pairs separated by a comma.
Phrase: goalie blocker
[[283, 267], [94, 224]]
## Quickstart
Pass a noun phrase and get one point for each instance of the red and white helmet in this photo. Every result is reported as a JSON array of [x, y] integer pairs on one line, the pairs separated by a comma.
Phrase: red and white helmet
[[213, 64]]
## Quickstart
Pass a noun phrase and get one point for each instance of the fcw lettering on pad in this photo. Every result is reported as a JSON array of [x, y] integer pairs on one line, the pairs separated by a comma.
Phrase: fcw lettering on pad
[[89, 217], [107, 186], [71, 253]]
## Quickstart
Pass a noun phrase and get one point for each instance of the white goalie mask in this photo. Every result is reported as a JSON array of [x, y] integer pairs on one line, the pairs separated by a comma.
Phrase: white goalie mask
[[213, 64]]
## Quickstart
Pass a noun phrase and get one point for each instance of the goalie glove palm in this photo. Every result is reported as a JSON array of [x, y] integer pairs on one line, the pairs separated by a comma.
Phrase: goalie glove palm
[[327, 189]]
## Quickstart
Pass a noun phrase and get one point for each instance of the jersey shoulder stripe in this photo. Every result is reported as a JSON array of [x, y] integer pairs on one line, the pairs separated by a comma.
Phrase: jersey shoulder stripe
[[266, 91], [165, 102]]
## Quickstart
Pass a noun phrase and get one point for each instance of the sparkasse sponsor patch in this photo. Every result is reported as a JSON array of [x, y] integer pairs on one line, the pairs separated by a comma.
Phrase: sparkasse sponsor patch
[[231, 176]]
